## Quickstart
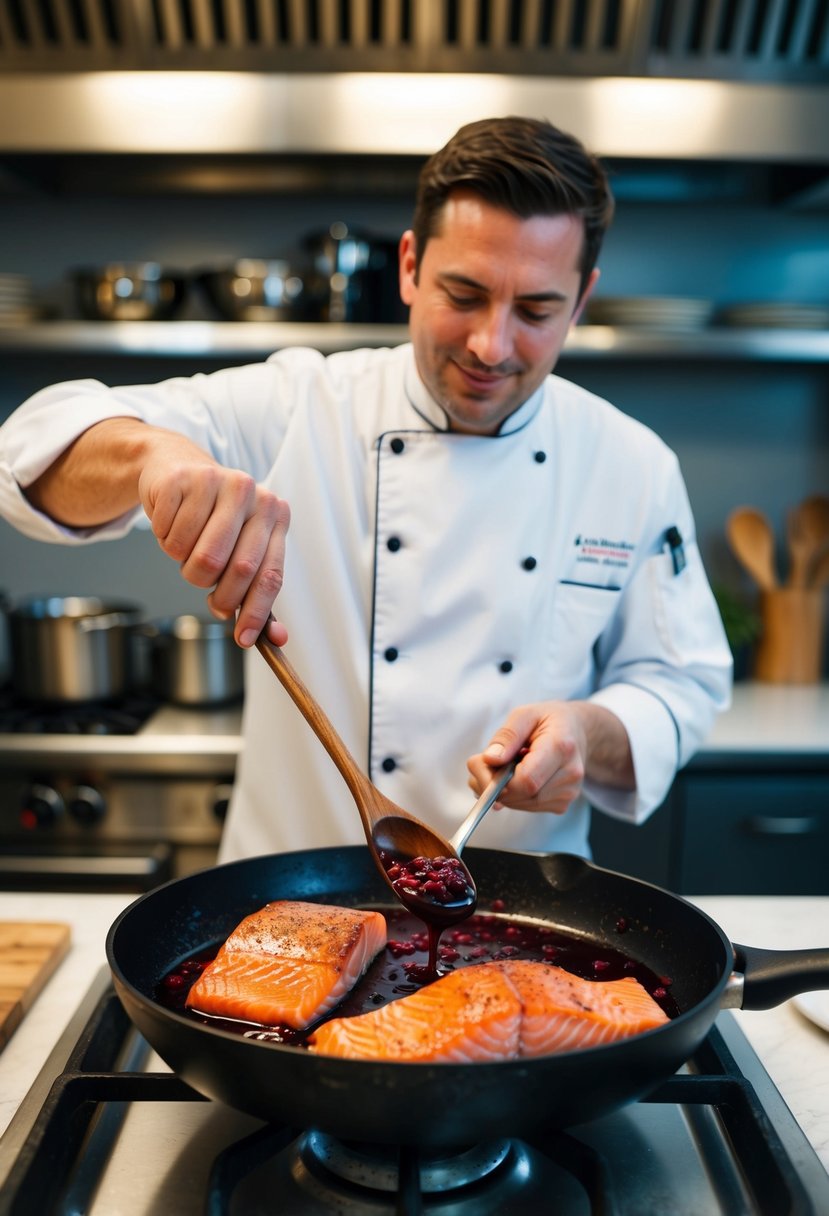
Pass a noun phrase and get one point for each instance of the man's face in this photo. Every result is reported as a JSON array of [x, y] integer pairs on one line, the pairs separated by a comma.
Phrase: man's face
[[491, 306]]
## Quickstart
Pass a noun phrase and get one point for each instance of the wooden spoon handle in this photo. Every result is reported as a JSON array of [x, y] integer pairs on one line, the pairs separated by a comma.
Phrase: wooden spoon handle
[[819, 574], [361, 788]]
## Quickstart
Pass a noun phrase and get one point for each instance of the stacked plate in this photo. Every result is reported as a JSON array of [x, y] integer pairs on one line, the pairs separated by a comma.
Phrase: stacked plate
[[650, 312], [17, 302], [776, 316]]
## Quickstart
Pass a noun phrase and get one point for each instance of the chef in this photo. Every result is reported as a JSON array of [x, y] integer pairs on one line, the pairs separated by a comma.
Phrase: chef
[[464, 554]]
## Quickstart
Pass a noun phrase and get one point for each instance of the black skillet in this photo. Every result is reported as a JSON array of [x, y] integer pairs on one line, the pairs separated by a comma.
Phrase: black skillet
[[443, 1105]]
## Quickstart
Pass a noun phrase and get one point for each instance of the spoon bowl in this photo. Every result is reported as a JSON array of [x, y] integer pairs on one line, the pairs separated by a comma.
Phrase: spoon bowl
[[751, 538], [395, 837]]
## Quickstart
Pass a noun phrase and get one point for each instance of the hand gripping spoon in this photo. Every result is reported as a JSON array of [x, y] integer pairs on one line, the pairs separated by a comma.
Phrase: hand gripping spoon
[[440, 892], [484, 803]]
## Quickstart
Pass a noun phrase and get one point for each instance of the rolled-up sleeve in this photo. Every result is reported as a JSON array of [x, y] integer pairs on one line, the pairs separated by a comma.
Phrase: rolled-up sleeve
[[238, 415]]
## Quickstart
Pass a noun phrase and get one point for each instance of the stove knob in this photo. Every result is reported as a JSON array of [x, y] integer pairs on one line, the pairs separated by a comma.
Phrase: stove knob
[[86, 804], [221, 801], [41, 808]]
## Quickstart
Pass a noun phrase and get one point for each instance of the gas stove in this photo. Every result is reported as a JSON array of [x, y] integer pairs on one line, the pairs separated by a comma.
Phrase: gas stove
[[107, 1128], [111, 796], [123, 717]]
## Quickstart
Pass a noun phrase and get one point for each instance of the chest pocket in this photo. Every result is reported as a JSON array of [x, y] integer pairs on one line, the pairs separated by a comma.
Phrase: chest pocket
[[580, 615]]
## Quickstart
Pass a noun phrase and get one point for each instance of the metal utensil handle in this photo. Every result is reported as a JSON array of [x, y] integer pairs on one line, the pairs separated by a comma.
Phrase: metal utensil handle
[[483, 804]]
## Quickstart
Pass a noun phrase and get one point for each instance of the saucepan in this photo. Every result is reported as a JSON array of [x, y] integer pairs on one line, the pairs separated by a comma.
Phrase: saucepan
[[138, 291], [189, 660], [264, 289], [71, 649], [443, 1105]]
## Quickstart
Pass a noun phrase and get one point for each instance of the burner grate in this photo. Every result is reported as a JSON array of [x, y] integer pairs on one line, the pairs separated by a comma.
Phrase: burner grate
[[123, 717]]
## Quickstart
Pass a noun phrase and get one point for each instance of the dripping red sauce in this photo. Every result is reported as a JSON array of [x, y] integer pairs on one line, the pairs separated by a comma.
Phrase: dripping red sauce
[[403, 967]]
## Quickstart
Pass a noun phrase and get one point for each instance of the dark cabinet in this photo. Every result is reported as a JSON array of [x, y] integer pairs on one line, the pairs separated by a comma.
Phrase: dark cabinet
[[730, 830]]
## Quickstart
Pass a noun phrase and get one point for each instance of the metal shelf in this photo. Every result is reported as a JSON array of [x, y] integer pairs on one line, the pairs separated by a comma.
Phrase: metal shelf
[[228, 339]]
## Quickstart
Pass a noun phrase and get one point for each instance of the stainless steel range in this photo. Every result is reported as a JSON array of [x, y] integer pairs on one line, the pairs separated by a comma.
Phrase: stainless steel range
[[107, 1128], [111, 797]]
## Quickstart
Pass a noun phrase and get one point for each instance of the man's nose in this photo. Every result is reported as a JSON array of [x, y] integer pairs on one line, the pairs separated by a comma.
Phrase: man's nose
[[490, 338]]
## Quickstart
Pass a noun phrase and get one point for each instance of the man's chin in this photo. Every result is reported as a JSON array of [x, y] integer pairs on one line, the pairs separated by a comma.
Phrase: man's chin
[[474, 417]]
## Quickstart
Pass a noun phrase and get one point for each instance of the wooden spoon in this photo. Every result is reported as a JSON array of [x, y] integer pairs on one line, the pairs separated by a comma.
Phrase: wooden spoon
[[808, 535], [393, 835], [751, 539]]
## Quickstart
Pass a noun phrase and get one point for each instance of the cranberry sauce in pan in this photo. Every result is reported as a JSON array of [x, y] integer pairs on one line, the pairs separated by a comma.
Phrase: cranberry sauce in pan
[[403, 966]]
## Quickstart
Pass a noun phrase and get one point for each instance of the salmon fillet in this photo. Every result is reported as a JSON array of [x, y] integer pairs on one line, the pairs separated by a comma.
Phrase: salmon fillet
[[470, 1014], [562, 1012], [494, 1011], [289, 964]]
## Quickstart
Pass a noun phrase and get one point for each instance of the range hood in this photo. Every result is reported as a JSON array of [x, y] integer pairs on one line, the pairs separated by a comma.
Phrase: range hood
[[720, 81]]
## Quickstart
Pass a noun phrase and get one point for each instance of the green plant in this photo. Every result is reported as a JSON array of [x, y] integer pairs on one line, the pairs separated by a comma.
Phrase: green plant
[[740, 621]]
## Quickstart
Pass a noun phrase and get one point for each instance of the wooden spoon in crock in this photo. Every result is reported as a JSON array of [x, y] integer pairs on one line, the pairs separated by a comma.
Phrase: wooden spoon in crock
[[808, 536], [394, 836], [751, 539]]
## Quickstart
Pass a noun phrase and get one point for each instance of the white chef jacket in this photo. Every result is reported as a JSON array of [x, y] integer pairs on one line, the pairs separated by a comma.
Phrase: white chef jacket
[[433, 582]]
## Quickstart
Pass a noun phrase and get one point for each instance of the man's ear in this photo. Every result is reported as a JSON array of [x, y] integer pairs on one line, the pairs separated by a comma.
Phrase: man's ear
[[408, 266], [585, 295]]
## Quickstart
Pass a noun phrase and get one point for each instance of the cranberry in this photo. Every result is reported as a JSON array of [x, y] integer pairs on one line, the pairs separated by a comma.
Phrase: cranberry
[[599, 964], [659, 993], [174, 981], [439, 880], [448, 953], [621, 925], [396, 948], [437, 890], [498, 905], [191, 966]]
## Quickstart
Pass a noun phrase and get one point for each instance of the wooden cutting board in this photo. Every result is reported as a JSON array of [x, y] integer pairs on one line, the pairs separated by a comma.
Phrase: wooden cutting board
[[29, 953]]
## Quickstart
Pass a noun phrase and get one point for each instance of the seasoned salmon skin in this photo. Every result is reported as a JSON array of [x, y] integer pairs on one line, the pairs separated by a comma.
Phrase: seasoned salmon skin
[[494, 1011], [289, 964]]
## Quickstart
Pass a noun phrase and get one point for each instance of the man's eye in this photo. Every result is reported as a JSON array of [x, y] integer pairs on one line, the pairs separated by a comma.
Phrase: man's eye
[[462, 301], [533, 314]]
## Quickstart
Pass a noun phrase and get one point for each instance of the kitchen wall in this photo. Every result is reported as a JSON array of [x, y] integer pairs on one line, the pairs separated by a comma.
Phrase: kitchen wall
[[745, 432]]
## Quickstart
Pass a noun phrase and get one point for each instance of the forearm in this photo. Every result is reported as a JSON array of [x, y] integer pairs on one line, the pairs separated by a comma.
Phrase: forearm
[[96, 478]]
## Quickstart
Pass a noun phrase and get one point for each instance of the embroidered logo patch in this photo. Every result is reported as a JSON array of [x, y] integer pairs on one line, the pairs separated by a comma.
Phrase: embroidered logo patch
[[600, 551]]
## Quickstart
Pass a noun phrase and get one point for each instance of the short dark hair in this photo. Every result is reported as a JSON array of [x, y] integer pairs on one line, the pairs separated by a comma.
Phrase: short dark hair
[[525, 165]]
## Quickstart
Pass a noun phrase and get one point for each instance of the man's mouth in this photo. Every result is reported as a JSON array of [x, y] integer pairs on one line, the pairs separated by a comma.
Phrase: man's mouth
[[482, 378]]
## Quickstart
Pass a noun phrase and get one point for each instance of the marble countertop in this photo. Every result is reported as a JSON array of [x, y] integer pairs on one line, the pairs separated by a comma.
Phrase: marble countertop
[[787, 718], [794, 1051]]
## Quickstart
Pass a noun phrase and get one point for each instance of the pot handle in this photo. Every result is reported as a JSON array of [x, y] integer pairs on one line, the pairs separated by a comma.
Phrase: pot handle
[[770, 977]]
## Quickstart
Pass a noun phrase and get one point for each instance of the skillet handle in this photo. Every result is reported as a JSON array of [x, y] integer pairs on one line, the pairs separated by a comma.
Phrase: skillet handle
[[771, 977]]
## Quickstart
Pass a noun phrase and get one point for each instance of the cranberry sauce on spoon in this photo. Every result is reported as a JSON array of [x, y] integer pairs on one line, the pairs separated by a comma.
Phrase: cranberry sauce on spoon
[[438, 890]]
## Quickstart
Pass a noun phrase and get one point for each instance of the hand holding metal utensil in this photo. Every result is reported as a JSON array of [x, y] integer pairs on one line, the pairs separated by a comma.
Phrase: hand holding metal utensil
[[485, 802]]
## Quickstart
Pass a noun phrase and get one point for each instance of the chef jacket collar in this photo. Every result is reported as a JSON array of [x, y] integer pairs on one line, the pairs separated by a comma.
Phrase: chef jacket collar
[[425, 405]]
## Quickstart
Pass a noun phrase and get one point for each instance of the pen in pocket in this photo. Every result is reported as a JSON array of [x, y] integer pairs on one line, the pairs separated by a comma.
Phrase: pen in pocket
[[676, 549]]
